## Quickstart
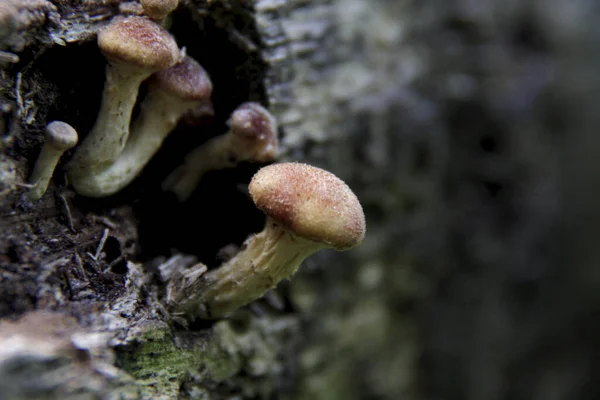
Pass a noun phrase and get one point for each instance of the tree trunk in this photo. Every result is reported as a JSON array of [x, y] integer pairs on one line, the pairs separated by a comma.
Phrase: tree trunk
[[468, 132]]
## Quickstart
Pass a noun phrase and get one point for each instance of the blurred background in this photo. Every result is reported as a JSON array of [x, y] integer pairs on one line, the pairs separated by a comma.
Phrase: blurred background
[[471, 138]]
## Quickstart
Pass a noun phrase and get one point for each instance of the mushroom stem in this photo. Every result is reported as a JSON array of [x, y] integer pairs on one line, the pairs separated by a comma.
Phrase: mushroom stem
[[107, 139], [267, 258], [43, 171], [158, 116], [210, 156], [60, 137]]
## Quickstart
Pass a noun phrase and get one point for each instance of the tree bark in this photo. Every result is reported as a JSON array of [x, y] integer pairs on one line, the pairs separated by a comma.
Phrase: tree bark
[[468, 132]]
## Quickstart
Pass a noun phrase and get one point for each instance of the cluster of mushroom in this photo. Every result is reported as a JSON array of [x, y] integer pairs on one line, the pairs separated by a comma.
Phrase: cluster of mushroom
[[135, 48], [307, 208], [116, 150]]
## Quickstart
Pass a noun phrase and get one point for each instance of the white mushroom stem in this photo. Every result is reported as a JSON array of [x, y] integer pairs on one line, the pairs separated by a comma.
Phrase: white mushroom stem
[[108, 137], [43, 170], [267, 258], [60, 137], [159, 114], [215, 154]]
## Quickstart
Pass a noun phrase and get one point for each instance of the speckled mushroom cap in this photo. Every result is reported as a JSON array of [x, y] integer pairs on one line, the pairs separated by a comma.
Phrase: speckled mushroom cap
[[255, 125], [252, 120], [61, 135], [140, 42], [186, 79], [310, 202]]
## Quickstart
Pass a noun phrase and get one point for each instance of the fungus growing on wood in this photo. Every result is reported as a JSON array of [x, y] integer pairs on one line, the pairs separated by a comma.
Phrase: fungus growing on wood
[[252, 137], [308, 209], [60, 137], [171, 93], [135, 48]]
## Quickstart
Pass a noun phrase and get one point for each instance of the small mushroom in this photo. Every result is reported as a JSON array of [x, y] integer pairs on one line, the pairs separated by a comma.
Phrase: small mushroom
[[60, 137], [171, 93], [307, 209], [252, 137], [135, 48], [158, 9]]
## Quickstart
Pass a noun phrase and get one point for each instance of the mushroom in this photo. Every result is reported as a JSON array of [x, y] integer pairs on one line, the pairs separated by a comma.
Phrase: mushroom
[[60, 137], [171, 93], [252, 137], [135, 48], [158, 9], [307, 209]]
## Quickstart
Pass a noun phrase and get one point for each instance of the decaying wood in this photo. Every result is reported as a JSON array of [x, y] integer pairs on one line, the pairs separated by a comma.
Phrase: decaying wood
[[468, 131]]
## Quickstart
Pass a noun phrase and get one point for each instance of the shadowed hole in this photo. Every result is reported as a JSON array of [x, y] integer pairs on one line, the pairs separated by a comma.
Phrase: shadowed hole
[[488, 143]]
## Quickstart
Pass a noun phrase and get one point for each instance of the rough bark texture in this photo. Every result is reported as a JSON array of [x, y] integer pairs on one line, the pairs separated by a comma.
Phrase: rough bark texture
[[468, 129]]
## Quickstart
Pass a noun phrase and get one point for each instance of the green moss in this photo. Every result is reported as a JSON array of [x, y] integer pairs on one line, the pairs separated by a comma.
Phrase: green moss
[[161, 360], [158, 364]]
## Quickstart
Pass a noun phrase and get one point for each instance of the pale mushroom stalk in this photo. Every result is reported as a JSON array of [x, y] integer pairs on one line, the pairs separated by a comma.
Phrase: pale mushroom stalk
[[252, 137], [307, 209], [210, 156], [171, 93], [60, 137], [147, 135], [107, 139], [135, 47], [43, 171], [267, 258], [159, 114]]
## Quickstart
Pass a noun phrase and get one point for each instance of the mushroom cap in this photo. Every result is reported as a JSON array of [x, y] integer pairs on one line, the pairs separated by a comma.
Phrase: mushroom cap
[[252, 120], [310, 202], [186, 79], [255, 125], [61, 135], [139, 42], [158, 9]]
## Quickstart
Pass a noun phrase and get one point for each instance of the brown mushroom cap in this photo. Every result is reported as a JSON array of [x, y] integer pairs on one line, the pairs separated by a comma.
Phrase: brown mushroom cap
[[256, 128], [253, 121], [186, 79], [158, 9], [310, 202], [140, 42], [61, 135]]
